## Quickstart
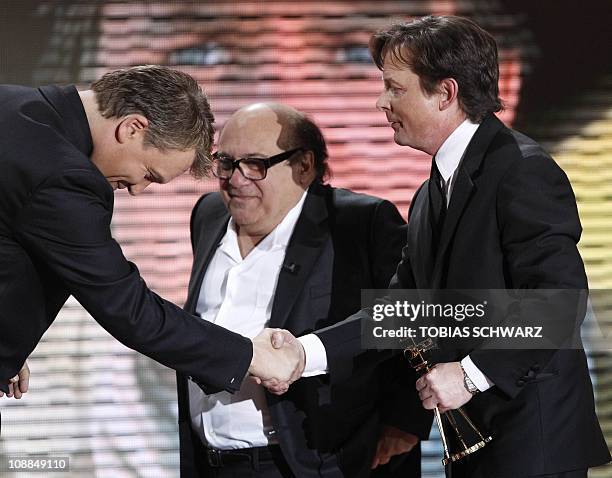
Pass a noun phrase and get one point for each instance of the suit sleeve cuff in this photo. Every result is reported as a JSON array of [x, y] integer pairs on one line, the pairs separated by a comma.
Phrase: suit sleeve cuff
[[476, 376], [316, 357]]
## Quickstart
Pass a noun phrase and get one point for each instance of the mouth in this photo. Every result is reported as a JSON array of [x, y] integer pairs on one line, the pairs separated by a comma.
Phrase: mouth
[[119, 185], [235, 193], [241, 197], [237, 200]]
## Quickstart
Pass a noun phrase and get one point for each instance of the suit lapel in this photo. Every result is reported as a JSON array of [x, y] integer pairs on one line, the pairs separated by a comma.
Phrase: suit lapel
[[420, 238], [464, 189], [305, 245], [216, 226]]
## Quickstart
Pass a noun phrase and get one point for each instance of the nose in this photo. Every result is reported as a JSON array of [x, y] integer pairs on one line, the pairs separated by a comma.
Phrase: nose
[[382, 103], [237, 179], [136, 189]]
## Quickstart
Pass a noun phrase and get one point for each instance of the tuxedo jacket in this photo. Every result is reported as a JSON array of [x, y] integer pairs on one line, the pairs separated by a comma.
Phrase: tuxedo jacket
[[512, 223], [55, 241], [342, 242]]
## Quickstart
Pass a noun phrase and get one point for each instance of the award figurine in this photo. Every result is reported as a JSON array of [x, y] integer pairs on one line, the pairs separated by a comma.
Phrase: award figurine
[[466, 437]]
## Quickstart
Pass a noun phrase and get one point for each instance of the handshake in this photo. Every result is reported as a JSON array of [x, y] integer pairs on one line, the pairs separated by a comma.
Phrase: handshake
[[278, 360]]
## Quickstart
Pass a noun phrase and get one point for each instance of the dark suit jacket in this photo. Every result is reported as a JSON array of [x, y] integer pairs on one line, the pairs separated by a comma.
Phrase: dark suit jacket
[[343, 242], [512, 223], [55, 240]]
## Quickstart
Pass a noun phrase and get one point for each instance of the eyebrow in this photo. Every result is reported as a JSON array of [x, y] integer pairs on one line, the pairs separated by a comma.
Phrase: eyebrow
[[390, 81], [156, 178], [255, 155], [248, 155]]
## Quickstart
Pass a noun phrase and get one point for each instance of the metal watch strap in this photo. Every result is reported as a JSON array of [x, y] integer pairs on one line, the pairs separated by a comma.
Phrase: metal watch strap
[[467, 382]]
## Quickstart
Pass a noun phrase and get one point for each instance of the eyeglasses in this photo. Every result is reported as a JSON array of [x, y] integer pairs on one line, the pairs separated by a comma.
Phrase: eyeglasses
[[254, 169]]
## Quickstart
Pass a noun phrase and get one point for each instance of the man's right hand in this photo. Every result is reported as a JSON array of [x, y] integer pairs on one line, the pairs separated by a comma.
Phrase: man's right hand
[[392, 441], [278, 360]]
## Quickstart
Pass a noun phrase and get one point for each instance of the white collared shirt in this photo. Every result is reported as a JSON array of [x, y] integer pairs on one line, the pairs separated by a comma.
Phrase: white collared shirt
[[448, 158], [451, 153], [238, 293]]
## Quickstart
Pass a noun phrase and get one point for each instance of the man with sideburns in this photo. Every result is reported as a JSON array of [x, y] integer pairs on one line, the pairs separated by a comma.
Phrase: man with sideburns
[[496, 213]]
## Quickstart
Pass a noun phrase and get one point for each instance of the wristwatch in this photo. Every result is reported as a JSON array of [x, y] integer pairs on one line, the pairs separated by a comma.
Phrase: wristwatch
[[467, 382]]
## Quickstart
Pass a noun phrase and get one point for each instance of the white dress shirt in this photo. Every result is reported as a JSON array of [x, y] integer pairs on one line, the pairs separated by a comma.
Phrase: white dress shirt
[[237, 293], [447, 159], [451, 153]]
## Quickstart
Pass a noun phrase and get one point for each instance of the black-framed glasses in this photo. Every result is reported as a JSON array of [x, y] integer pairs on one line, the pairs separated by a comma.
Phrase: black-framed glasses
[[254, 169]]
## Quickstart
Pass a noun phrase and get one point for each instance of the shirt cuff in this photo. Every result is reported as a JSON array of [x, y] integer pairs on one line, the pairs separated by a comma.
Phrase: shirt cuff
[[476, 376], [316, 356]]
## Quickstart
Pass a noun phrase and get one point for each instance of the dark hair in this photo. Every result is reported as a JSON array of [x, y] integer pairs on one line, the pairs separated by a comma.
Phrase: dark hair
[[177, 109], [301, 131], [442, 47]]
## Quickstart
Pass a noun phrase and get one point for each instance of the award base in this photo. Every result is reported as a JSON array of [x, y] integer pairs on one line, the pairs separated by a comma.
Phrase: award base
[[468, 451]]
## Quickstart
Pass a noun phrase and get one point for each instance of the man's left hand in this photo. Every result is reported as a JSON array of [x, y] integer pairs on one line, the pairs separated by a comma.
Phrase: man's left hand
[[391, 442], [18, 385], [443, 387]]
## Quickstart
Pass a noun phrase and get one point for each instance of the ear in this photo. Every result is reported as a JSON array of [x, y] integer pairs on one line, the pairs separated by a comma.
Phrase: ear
[[131, 127], [448, 90], [306, 168]]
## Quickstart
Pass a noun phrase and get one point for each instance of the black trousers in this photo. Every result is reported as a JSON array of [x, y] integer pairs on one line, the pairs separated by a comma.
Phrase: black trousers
[[269, 467], [460, 472]]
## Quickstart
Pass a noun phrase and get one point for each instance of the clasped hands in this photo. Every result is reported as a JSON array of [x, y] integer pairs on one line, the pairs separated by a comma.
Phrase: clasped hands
[[278, 360]]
